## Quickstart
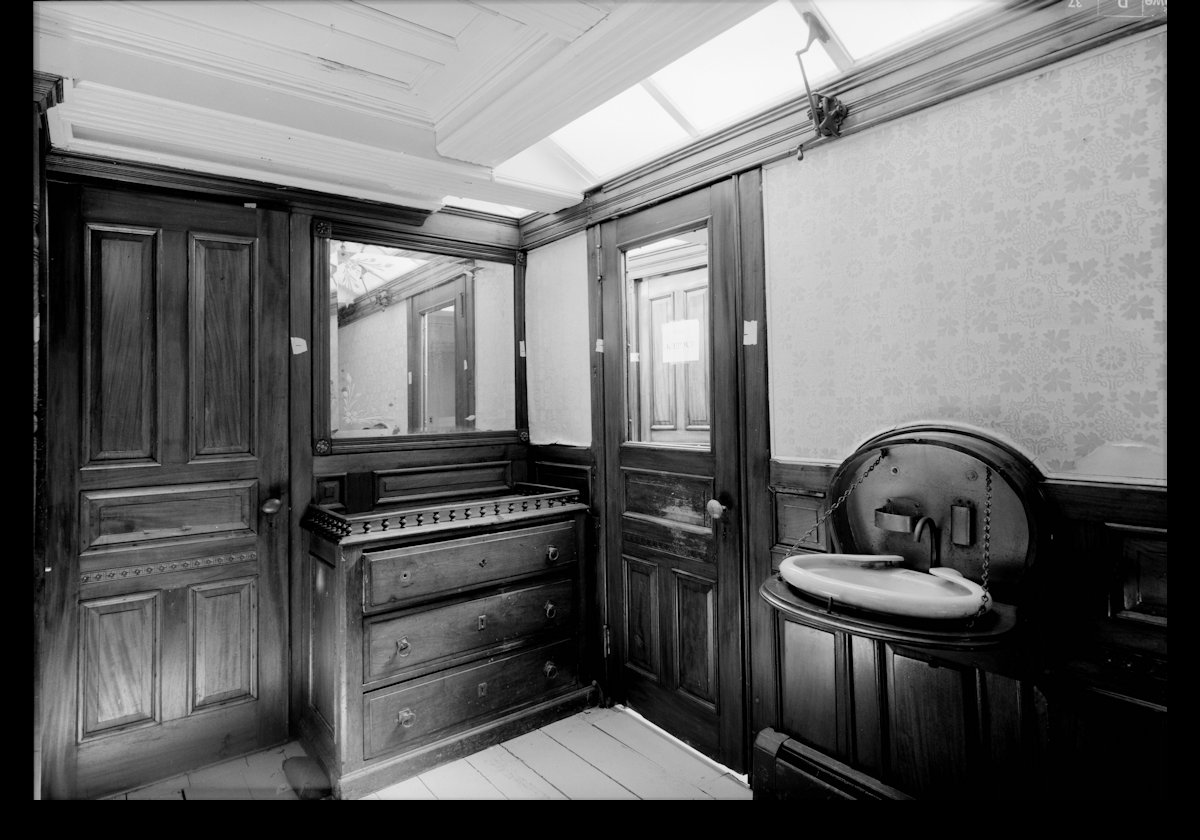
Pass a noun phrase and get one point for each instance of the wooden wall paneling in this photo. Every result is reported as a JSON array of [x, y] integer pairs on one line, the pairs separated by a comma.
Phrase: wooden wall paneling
[[811, 687], [574, 467], [57, 611], [409, 484], [603, 534], [932, 735], [186, 511], [694, 643], [520, 371], [121, 368], [120, 681], [757, 519], [866, 689], [224, 292], [642, 605], [300, 449], [223, 632]]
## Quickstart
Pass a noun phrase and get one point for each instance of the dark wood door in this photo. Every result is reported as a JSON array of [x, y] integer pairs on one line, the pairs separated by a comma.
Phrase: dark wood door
[[673, 570], [165, 606]]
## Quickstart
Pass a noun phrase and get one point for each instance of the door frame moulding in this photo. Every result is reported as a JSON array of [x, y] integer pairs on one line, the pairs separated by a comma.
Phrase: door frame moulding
[[1021, 37]]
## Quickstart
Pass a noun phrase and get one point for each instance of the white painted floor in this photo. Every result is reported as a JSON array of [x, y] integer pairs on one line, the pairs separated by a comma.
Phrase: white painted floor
[[593, 755]]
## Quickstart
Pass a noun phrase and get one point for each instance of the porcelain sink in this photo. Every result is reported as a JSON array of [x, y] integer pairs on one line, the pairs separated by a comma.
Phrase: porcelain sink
[[878, 582]]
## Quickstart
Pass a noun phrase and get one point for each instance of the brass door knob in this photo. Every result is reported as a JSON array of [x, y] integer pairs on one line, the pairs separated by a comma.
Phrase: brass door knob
[[271, 506]]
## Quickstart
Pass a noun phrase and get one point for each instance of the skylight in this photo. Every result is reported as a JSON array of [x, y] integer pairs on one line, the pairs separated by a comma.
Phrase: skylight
[[746, 70]]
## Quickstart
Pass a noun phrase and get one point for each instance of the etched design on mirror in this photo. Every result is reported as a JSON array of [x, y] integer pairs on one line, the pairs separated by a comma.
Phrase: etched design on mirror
[[667, 323], [419, 342]]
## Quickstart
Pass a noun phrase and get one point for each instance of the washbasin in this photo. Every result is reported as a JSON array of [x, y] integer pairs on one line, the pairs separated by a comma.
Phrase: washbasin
[[880, 583]]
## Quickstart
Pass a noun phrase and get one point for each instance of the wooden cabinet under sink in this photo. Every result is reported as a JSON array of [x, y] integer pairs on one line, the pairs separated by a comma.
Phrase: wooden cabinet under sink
[[432, 632], [867, 711]]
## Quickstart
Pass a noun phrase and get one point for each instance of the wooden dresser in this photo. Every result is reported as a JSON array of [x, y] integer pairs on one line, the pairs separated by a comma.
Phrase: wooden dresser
[[432, 632]]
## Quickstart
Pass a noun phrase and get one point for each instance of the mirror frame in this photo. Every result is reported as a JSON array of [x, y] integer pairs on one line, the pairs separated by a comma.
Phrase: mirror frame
[[323, 442]]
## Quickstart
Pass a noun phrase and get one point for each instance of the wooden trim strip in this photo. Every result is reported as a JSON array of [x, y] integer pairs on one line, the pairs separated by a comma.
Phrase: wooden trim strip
[[130, 572]]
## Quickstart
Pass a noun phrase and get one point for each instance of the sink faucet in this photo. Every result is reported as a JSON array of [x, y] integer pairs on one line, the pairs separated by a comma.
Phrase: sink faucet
[[919, 529]]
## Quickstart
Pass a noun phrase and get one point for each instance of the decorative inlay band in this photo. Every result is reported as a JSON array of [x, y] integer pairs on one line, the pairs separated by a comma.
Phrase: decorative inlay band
[[173, 566], [336, 527], [659, 545]]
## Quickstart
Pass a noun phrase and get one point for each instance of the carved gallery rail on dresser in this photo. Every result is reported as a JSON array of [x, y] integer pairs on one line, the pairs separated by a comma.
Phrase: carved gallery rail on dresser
[[430, 632]]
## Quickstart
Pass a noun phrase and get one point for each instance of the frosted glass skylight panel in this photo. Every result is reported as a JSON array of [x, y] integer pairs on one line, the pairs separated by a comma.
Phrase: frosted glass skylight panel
[[624, 131], [866, 27], [745, 69]]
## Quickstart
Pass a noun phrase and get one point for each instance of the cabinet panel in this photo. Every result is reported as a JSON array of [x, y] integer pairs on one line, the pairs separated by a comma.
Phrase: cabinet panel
[[932, 726], [396, 645], [808, 666], [396, 718], [402, 575]]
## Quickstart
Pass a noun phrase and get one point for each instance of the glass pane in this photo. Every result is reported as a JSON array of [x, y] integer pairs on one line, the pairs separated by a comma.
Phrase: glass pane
[[745, 69], [624, 131], [667, 335], [419, 342], [871, 26]]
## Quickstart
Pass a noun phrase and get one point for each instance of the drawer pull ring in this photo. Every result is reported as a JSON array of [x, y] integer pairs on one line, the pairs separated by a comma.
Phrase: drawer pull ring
[[483, 562], [550, 670], [406, 718], [482, 621], [551, 554], [550, 610], [403, 648]]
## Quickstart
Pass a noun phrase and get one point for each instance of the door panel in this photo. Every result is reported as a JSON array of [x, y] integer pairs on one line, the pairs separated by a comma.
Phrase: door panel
[[670, 448], [168, 402]]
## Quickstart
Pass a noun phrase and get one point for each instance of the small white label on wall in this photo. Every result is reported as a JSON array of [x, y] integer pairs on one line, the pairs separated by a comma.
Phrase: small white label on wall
[[635, 356], [522, 343], [599, 345], [299, 345], [749, 332]]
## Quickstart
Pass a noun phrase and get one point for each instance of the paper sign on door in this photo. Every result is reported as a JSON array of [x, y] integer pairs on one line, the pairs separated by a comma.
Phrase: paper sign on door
[[681, 341]]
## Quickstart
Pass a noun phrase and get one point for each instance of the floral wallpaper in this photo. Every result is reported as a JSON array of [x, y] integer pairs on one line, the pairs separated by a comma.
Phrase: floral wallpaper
[[998, 260]]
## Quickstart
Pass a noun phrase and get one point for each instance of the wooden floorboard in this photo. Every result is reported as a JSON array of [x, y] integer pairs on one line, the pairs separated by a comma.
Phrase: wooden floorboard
[[597, 754], [511, 776], [567, 771]]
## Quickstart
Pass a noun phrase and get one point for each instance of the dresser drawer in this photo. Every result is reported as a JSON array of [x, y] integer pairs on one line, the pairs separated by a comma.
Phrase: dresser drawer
[[394, 576], [394, 645], [398, 717]]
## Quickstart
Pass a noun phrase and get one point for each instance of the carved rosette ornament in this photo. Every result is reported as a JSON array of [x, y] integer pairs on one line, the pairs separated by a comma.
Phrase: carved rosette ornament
[[322, 228], [323, 446]]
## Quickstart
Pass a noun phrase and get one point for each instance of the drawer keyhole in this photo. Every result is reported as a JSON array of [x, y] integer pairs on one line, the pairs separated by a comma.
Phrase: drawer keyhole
[[551, 554], [482, 621], [482, 562], [403, 648], [550, 670], [406, 718], [481, 690], [550, 609]]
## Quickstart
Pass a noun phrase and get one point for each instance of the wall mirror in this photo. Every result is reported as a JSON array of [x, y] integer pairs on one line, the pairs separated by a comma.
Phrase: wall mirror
[[416, 343]]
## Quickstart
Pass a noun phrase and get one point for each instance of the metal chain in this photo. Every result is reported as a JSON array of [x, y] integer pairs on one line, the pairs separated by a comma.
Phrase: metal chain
[[987, 545], [821, 519]]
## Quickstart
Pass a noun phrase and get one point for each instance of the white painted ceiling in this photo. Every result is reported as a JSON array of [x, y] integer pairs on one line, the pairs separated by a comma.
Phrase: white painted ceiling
[[396, 101]]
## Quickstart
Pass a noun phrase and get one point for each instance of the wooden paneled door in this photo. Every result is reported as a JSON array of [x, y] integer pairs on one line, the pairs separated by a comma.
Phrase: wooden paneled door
[[165, 617], [673, 558]]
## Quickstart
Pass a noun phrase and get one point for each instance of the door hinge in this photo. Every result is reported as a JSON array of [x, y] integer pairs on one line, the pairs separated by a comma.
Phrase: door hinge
[[607, 642], [599, 278]]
